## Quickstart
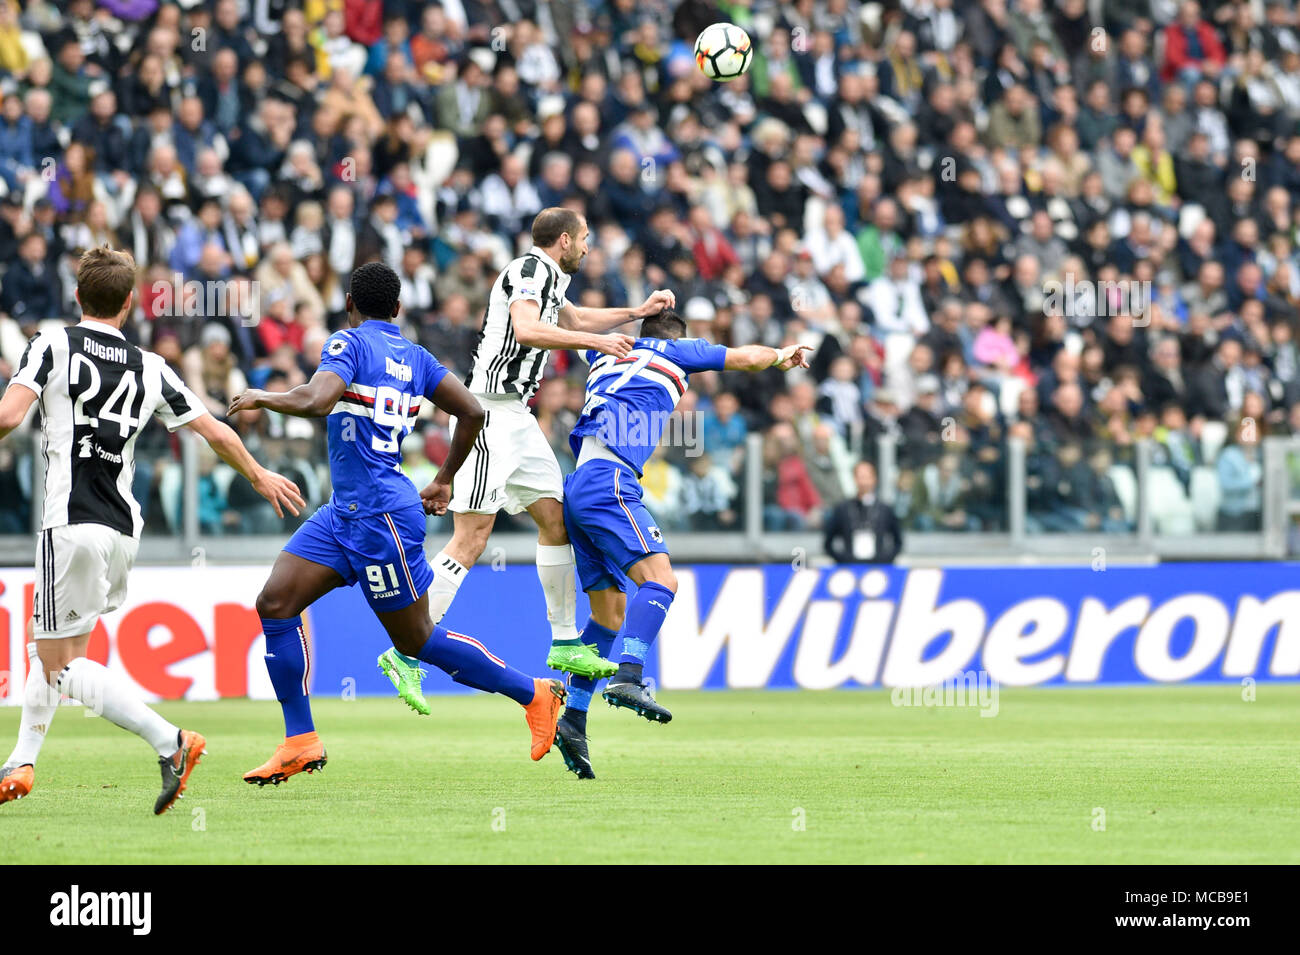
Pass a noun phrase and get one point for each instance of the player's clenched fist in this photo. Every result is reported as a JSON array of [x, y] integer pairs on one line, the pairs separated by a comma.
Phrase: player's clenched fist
[[617, 345]]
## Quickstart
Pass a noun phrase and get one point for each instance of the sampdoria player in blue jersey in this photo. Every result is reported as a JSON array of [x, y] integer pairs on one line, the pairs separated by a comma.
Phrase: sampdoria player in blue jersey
[[616, 541], [370, 383]]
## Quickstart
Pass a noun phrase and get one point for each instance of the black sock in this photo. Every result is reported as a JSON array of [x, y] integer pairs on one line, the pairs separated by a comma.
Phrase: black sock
[[627, 673], [577, 719]]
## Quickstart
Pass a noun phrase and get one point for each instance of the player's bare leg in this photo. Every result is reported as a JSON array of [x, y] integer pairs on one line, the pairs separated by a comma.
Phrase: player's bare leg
[[100, 689], [656, 586], [470, 663], [40, 703], [470, 533], [294, 584], [570, 652], [608, 607]]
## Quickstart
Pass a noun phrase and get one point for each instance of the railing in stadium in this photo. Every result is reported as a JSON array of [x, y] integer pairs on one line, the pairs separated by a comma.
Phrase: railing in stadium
[[1019, 505]]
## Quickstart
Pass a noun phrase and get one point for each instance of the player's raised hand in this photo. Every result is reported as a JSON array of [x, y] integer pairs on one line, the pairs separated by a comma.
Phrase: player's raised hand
[[280, 491], [617, 345], [793, 356], [657, 301], [245, 401], [436, 497]]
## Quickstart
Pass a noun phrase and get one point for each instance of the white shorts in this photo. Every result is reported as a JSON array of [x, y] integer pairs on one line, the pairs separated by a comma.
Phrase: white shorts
[[81, 572], [511, 466]]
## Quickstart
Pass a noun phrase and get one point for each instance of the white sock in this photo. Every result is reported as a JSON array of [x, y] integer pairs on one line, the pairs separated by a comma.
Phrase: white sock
[[556, 572], [96, 686], [40, 701], [448, 575]]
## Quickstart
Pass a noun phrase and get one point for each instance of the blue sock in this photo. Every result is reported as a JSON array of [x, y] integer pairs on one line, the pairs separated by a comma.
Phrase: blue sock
[[645, 615], [409, 661], [580, 687], [468, 662], [288, 661]]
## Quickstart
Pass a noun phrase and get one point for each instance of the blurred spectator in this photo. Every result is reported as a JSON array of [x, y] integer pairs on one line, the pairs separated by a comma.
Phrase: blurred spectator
[[723, 431], [211, 370], [1240, 473], [795, 503], [707, 493], [863, 529]]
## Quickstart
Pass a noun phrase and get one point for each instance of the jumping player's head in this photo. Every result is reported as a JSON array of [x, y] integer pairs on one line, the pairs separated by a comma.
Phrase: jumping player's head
[[374, 293], [665, 324], [561, 234], [106, 284]]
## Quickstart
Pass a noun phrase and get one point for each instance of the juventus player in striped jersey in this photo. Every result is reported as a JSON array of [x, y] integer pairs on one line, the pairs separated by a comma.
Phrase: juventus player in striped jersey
[[511, 466], [96, 392]]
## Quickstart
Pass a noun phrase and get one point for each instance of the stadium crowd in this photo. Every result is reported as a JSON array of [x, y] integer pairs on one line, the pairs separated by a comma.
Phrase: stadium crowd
[[1070, 223]]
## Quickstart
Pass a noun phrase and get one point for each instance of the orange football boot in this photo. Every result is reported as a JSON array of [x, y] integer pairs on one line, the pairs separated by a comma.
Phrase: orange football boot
[[17, 782], [543, 713], [297, 754]]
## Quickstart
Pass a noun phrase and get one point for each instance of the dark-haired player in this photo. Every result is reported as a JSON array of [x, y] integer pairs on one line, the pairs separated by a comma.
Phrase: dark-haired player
[[616, 541], [511, 466], [370, 383]]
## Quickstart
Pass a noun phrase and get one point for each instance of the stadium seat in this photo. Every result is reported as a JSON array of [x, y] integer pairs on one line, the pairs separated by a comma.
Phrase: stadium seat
[[1213, 436], [171, 486], [223, 476], [897, 348], [1189, 217], [1205, 496], [439, 160], [1009, 394], [1171, 511], [1125, 481]]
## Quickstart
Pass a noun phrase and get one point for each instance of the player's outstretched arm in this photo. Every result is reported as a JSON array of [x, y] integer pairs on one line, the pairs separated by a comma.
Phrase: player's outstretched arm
[[760, 357], [276, 488], [315, 399], [580, 319], [18, 398], [454, 398], [532, 332]]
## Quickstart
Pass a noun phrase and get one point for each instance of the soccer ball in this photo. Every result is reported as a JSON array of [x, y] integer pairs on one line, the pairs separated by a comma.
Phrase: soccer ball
[[723, 51]]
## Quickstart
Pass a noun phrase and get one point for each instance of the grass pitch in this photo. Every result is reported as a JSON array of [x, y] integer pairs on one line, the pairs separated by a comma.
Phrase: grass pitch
[[1173, 774]]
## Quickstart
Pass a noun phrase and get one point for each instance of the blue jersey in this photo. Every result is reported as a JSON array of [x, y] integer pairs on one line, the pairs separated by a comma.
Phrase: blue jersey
[[386, 377], [629, 399]]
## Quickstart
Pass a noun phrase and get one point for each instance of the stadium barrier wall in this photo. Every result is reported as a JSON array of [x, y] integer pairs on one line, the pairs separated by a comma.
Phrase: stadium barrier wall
[[1164, 525], [191, 632]]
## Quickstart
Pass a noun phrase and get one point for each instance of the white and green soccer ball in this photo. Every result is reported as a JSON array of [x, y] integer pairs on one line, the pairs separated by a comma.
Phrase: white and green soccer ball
[[723, 51]]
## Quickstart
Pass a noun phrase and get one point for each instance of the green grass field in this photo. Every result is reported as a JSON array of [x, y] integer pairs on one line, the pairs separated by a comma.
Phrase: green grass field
[[1183, 774]]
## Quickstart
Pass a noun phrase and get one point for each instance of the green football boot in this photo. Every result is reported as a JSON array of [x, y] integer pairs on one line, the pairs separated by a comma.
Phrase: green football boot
[[405, 679], [580, 659]]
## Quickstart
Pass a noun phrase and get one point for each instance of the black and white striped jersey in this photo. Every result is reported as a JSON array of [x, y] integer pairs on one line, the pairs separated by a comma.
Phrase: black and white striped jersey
[[500, 365], [97, 391]]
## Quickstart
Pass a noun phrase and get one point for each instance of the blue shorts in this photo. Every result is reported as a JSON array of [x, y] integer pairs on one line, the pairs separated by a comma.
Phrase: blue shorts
[[608, 525], [385, 552]]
